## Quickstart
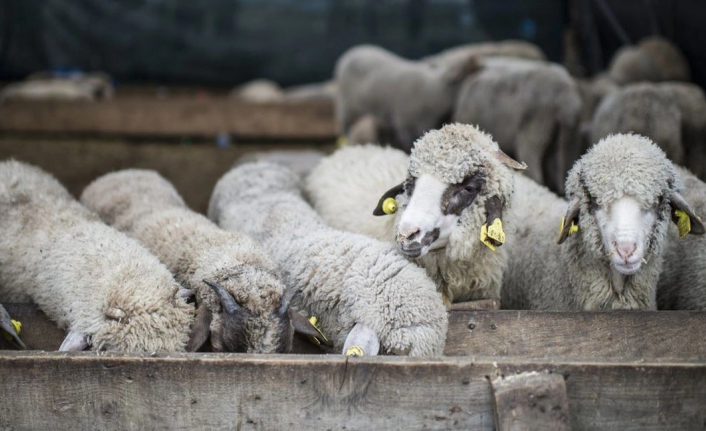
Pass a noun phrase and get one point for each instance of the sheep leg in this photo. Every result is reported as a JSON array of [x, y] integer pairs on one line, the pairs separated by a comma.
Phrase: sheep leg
[[75, 341], [361, 341]]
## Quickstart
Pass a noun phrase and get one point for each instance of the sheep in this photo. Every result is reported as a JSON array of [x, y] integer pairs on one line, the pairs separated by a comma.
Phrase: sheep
[[299, 161], [325, 91], [246, 308], [653, 59], [532, 109], [673, 114], [405, 97], [681, 283], [88, 87], [621, 196], [506, 48], [365, 294], [454, 187], [105, 288], [258, 91], [644, 109]]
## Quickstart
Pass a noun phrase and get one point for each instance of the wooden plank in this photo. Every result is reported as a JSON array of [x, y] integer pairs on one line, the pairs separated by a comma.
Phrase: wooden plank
[[617, 335], [129, 392], [620, 335], [481, 304], [531, 401], [176, 116], [193, 169]]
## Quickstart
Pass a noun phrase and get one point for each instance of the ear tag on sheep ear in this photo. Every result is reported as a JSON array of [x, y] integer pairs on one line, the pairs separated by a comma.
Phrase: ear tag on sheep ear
[[17, 325], [493, 232], [574, 228], [342, 141], [389, 206], [355, 351], [313, 320], [683, 223]]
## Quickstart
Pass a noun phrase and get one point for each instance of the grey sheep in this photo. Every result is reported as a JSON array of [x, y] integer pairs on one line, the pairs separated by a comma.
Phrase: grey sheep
[[682, 284], [533, 111], [505, 48], [673, 114], [622, 195], [245, 306], [652, 59], [364, 293], [456, 184], [105, 288], [406, 98]]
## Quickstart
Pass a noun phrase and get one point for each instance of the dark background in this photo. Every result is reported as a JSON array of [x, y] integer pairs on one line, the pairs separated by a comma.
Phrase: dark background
[[225, 42]]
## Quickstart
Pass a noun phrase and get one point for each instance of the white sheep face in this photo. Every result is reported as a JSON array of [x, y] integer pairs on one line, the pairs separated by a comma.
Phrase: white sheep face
[[425, 225], [625, 228]]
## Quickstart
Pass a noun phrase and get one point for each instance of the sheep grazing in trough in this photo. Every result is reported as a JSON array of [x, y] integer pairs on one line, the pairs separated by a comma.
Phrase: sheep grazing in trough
[[242, 303], [450, 201], [505, 48], [682, 284], [672, 114], [367, 297], [105, 288], [653, 59], [533, 111], [406, 98], [622, 195]]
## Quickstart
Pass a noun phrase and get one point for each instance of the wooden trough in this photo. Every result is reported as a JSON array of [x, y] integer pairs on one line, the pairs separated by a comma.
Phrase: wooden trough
[[602, 370]]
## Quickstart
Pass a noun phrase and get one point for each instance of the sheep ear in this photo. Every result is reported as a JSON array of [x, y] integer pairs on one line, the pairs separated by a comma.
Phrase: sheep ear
[[570, 221], [287, 300], [684, 217], [509, 161], [303, 326], [361, 341], [384, 208], [492, 234], [200, 331], [74, 342], [230, 306]]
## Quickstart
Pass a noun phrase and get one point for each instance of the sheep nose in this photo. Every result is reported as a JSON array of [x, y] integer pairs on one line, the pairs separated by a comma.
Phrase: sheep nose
[[407, 234], [625, 249]]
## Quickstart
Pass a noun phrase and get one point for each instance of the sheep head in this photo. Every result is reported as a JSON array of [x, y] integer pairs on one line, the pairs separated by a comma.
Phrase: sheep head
[[457, 176], [623, 193]]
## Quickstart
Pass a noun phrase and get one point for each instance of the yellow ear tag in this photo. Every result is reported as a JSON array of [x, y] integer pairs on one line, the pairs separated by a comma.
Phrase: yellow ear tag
[[355, 351], [572, 229], [313, 320], [342, 141], [18, 328], [494, 232], [389, 206], [683, 223]]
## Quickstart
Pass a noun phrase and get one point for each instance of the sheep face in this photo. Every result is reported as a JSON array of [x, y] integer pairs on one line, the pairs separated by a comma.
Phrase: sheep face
[[625, 228]]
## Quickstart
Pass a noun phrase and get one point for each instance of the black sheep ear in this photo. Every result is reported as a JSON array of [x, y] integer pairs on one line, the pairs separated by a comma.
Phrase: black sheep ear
[[570, 223], [387, 204], [684, 217]]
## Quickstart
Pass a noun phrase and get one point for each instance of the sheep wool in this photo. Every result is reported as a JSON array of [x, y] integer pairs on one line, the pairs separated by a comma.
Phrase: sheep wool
[[578, 275], [346, 279], [146, 207], [88, 278]]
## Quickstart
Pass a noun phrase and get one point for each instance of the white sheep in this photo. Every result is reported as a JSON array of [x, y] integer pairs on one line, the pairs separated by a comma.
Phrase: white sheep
[[258, 91], [45, 87], [102, 286], [505, 48], [407, 98], [622, 195], [246, 306], [455, 185], [364, 293], [682, 284], [532, 109], [652, 59]]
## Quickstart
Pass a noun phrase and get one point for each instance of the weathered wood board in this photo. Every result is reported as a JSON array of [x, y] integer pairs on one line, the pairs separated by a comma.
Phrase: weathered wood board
[[193, 169], [178, 116], [620, 336], [86, 391]]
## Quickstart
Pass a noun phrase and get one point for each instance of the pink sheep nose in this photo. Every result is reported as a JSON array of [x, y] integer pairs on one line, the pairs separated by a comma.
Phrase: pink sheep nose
[[625, 249]]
